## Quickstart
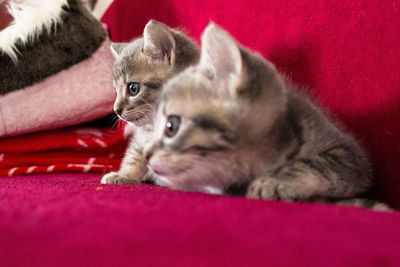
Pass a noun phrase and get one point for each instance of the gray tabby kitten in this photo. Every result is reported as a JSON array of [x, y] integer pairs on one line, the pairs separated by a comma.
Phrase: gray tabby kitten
[[233, 120], [141, 67]]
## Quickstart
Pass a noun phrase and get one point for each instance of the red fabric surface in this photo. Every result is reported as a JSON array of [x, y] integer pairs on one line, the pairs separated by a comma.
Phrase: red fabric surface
[[74, 149], [347, 52], [72, 220]]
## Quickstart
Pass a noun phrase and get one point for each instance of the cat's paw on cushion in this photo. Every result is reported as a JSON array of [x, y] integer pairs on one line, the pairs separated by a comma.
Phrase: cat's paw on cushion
[[117, 178], [270, 188]]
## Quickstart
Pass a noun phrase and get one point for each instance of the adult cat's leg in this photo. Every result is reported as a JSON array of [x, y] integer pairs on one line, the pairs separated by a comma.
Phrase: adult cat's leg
[[133, 167], [309, 178]]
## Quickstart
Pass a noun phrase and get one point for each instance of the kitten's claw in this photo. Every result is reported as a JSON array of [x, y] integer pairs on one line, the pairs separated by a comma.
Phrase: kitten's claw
[[269, 188], [116, 178]]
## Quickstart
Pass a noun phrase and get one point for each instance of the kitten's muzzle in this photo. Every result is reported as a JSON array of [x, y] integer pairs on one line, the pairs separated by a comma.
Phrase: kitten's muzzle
[[134, 118], [118, 111], [148, 154]]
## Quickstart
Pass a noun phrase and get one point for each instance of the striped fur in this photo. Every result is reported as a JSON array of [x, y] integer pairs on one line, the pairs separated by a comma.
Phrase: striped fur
[[242, 125], [149, 61]]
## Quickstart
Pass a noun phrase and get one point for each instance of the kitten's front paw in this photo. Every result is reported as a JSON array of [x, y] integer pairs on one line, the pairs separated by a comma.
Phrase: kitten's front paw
[[269, 188], [116, 178]]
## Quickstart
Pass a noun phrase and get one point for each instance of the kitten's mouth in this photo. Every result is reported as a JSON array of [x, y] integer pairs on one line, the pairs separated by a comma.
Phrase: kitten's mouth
[[135, 119], [159, 170]]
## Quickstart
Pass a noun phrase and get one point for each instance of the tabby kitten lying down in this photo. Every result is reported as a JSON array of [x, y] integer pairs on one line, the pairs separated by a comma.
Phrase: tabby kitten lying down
[[140, 69], [233, 120]]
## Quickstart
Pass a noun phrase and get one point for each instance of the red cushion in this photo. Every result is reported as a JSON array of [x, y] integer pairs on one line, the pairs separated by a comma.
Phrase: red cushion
[[72, 220], [347, 52]]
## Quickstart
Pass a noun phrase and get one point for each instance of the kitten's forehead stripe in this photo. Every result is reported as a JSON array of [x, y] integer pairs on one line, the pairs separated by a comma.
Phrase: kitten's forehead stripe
[[208, 123], [152, 84], [205, 149]]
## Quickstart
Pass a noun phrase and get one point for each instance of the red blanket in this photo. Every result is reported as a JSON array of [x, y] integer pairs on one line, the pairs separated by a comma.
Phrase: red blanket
[[72, 220], [75, 149]]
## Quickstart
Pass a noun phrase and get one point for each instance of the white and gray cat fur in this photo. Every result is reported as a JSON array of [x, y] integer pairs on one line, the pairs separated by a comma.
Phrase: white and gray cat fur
[[141, 67], [233, 122]]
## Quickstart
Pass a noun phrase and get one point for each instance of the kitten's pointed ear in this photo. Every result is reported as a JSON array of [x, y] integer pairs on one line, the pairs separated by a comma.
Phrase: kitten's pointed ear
[[221, 59], [159, 43], [116, 49]]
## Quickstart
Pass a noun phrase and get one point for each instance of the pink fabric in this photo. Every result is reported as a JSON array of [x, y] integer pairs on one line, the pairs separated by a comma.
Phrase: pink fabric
[[72, 220], [79, 94], [347, 52]]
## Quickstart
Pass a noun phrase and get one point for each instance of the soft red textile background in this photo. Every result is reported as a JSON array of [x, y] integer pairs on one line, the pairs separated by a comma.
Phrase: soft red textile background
[[346, 52], [72, 220]]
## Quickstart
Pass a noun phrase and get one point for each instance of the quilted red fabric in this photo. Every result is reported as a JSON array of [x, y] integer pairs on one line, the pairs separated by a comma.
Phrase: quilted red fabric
[[346, 52], [74, 149]]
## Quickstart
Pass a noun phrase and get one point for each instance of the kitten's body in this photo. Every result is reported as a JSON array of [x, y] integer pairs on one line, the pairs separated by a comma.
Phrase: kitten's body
[[144, 64], [233, 120]]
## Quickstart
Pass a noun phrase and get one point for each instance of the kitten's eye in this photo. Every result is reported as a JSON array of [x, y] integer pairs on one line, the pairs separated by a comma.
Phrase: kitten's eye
[[172, 125], [133, 88]]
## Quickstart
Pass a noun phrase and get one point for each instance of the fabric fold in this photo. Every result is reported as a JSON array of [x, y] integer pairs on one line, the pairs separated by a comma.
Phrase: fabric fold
[[74, 149]]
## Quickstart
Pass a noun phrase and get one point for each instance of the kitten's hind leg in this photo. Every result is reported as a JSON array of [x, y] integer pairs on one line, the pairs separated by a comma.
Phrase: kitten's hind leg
[[133, 168]]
